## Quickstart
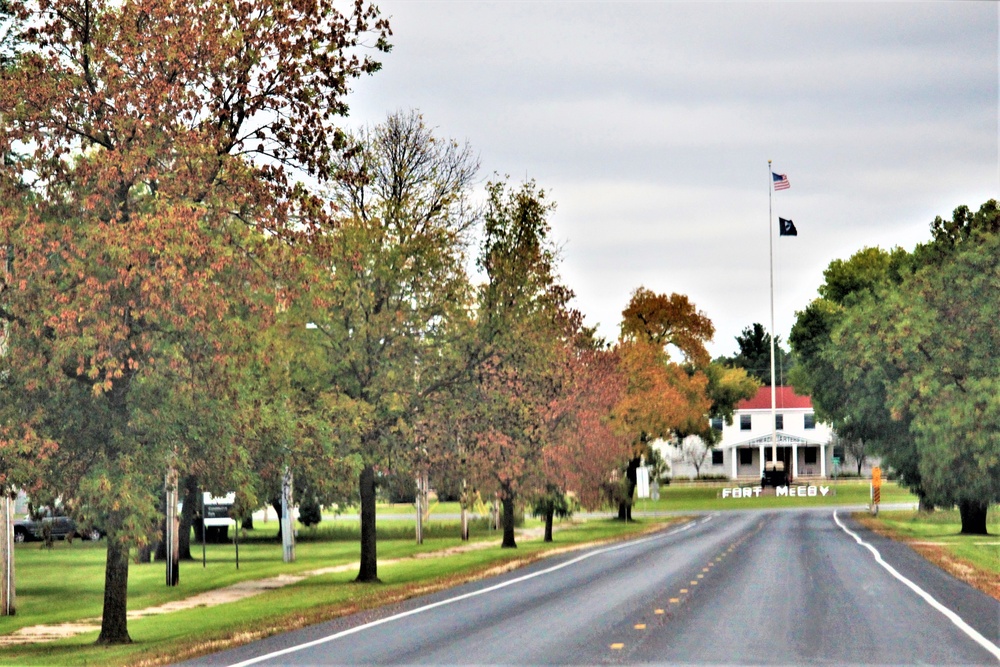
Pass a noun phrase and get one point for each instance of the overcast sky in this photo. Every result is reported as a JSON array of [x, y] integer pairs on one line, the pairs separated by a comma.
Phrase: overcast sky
[[651, 125]]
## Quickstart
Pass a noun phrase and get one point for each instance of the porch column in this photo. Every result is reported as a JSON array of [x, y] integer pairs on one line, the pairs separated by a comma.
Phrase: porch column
[[762, 460], [822, 461], [795, 461], [734, 455]]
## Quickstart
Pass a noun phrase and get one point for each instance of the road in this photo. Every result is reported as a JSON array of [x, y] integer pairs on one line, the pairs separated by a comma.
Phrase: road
[[769, 587]]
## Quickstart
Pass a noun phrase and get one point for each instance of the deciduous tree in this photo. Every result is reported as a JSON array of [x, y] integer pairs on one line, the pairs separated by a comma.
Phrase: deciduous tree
[[155, 149], [522, 332], [661, 398], [391, 305]]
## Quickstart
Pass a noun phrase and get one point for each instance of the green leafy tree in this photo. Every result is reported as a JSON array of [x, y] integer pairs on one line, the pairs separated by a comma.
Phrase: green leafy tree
[[754, 355], [855, 406], [391, 300], [933, 337], [896, 351]]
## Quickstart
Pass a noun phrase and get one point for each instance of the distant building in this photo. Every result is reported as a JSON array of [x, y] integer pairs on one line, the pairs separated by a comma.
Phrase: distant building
[[803, 444]]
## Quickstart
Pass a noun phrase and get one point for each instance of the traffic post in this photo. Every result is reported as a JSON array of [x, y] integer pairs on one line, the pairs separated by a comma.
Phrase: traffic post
[[876, 489]]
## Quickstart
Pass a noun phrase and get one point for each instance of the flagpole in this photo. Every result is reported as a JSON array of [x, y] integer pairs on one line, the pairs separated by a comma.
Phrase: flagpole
[[770, 228]]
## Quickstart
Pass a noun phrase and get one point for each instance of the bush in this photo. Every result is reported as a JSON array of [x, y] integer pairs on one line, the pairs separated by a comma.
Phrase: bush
[[398, 489], [310, 513]]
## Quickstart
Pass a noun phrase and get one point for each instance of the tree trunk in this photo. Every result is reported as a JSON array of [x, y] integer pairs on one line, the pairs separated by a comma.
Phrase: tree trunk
[[276, 505], [508, 520], [973, 517], [160, 546], [924, 505], [631, 481], [189, 509], [114, 623], [549, 513], [369, 559]]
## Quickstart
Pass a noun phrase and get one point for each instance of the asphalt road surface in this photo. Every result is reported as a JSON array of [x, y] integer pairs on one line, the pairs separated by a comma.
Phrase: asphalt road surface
[[772, 587]]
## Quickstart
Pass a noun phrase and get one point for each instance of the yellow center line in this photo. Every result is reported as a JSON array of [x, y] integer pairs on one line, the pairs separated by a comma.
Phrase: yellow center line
[[701, 576], [617, 647], [684, 590], [674, 600], [640, 626], [660, 611], [694, 583]]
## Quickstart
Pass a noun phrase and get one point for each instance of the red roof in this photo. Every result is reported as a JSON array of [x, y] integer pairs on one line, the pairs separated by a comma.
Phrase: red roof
[[785, 398]]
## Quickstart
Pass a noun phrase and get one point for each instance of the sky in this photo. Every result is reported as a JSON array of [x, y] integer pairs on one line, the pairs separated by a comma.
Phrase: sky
[[651, 124]]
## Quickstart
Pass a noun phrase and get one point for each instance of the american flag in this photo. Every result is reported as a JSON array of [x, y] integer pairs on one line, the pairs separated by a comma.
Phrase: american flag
[[780, 181]]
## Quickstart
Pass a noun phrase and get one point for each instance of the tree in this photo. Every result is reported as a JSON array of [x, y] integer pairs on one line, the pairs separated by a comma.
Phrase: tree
[[694, 451], [897, 349], [585, 446], [661, 398], [391, 300], [855, 406], [755, 355], [158, 207], [521, 331], [936, 333]]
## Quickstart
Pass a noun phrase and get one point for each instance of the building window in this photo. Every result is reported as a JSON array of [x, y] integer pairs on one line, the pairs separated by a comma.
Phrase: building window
[[717, 457], [810, 420], [746, 457], [811, 455], [716, 423], [744, 422], [779, 421]]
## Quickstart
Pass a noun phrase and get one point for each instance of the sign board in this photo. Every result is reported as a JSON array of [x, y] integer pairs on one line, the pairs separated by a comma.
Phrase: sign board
[[217, 508], [836, 460], [642, 482]]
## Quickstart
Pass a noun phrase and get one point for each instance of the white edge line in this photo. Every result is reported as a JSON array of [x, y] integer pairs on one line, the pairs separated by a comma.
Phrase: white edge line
[[458, 598], [948, 613]]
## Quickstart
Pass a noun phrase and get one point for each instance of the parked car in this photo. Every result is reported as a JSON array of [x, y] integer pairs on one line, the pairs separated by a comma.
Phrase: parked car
[[56, 527]]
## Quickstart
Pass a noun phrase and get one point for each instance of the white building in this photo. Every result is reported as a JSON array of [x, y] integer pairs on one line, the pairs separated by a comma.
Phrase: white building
[[803, 444]]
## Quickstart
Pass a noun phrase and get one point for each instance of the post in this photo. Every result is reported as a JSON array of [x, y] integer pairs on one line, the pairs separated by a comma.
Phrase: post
[[770, 229], [287, 536], [172, 538], [465, 513], [204, 535], [420, 510], [876, 489], [7, 591]]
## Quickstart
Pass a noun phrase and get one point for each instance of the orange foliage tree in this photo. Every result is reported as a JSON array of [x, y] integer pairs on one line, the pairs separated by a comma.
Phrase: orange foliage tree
[[661, 398], [154, 154]]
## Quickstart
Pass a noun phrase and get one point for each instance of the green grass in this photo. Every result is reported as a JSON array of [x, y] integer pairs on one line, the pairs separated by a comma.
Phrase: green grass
[[65, 584]]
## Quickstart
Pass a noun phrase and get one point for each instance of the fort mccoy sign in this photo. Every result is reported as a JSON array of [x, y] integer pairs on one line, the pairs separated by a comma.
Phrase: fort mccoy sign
[[802, 491]]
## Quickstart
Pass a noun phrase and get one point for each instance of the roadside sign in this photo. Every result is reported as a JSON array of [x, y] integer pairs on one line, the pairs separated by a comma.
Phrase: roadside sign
[[642, 482]]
